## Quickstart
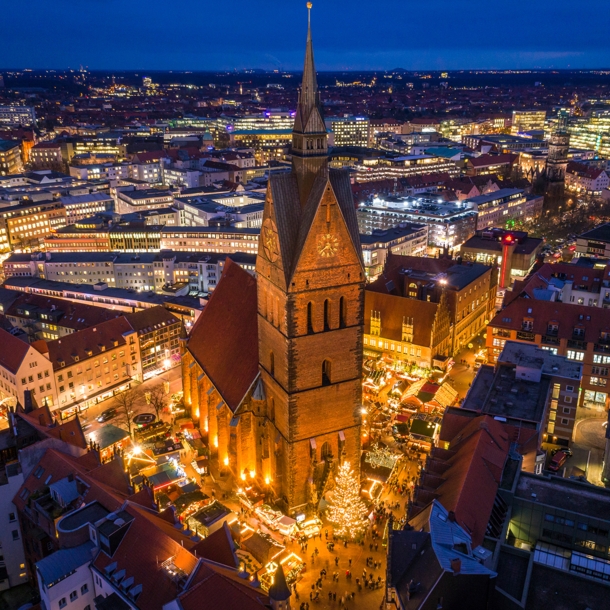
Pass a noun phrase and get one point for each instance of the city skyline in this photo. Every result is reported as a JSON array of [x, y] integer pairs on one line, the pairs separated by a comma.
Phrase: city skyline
[[436, 35]]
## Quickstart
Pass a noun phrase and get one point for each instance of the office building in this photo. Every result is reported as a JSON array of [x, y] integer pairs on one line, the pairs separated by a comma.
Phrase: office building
[[449, 224], [349, 130], [594, 243], [407, 240], [504, 208], [25, 225], [403, 167], [513, 251], [79, 207], [10, 158], [524, 121], [24, 116]]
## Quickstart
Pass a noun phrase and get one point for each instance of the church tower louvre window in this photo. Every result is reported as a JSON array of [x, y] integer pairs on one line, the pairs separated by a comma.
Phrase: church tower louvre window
[[309, 245]]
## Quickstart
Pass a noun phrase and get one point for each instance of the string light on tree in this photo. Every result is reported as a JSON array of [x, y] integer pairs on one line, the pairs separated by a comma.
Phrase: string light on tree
[[346, 510]]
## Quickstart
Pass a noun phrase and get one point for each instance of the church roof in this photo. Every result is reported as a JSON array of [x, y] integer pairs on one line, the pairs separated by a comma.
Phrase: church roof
[[224, 340]]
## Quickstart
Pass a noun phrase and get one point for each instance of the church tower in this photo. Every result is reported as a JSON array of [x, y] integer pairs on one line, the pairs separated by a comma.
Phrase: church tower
[[557, 163], [310, 281]]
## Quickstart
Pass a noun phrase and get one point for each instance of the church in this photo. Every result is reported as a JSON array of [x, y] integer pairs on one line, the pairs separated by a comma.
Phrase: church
[[272, 369]]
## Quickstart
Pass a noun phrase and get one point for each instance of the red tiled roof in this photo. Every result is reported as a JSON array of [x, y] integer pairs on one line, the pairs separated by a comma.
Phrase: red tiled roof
[[75, 316], [90, 339], [150, 319], [224, 340], [485, 160], [476, 460], [583, 170], [13, 351], [148, 542], [594, 320], [214, 587], [218, 547]]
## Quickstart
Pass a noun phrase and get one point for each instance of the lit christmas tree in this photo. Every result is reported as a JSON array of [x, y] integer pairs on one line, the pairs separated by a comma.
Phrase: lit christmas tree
[[346, 510]]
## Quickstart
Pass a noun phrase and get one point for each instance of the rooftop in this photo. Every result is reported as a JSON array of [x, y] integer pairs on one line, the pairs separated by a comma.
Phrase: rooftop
[[64, 562]]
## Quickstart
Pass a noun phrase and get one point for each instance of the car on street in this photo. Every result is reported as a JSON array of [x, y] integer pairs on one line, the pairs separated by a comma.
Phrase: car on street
[[144, 419], [107, 415], [564, 449], [558, 460]]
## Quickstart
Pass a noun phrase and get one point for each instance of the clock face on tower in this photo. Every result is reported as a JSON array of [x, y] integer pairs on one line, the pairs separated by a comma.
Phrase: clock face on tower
[[270, 243], [328, 244]]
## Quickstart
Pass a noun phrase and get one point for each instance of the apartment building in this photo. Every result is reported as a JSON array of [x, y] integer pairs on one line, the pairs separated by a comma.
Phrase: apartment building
[[578, 332], [46, 154], [594, 243], [585, 179], [23, 367], [133, 200], [18, 115], [93, 364], [524, 121], [349, 130]]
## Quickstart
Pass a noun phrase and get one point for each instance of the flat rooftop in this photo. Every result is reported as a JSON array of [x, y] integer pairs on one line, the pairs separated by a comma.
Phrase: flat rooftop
[[500, 394], [601, 233], [566, 494], [88, 514], [531, 356]]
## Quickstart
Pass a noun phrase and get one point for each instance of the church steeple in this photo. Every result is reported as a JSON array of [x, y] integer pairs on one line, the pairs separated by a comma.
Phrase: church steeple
[[309, 138]]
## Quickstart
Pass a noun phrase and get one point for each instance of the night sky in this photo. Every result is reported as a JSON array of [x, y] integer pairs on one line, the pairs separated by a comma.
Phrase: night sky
[[270, 34]]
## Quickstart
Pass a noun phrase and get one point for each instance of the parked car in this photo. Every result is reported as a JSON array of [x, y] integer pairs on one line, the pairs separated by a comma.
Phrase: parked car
[[565, 449], [558, 460], [107, 415]]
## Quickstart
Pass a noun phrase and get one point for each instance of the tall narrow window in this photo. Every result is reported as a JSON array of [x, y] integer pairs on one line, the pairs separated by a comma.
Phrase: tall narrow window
[[326, 314], [326, 372], [342, 312], [310, 318], [272, 363]]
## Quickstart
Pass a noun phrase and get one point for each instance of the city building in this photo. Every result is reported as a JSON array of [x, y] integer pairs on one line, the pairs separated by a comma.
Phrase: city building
[[403, 167], [25, 225], [24, 368], [594, 243], [490, 164], [79, 207], [568, 283], [18, 115], [298, 330], [406, 240], [524, 121], [531, 390], [225, 240], [92, 364], [435, 559], [10, 158], [101, 295], [585, 179], [513, 251], [133, 200], [268, 144], [505, 207], [12, 566], [46, 155], [348, 130], [466, 290], [578, 332], [449, 224], [157, 333]]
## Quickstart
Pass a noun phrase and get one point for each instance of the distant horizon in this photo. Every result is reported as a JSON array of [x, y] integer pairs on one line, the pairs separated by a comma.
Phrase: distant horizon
[[439, 35], [145, 71]]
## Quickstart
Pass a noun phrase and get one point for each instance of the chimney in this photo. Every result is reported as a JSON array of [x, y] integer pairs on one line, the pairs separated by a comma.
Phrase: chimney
[[451, 516], [456, 566]]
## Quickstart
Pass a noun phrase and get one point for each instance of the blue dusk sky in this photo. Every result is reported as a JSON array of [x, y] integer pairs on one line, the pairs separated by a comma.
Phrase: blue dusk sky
[[270, 34]]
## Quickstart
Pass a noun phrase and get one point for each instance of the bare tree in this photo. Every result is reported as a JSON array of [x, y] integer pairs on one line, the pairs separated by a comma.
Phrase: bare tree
[[157, 398], [125, 402]]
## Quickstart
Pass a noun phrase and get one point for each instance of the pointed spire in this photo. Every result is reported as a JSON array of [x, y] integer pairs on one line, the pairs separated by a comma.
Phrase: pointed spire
[[279, 590], [309, 87]]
